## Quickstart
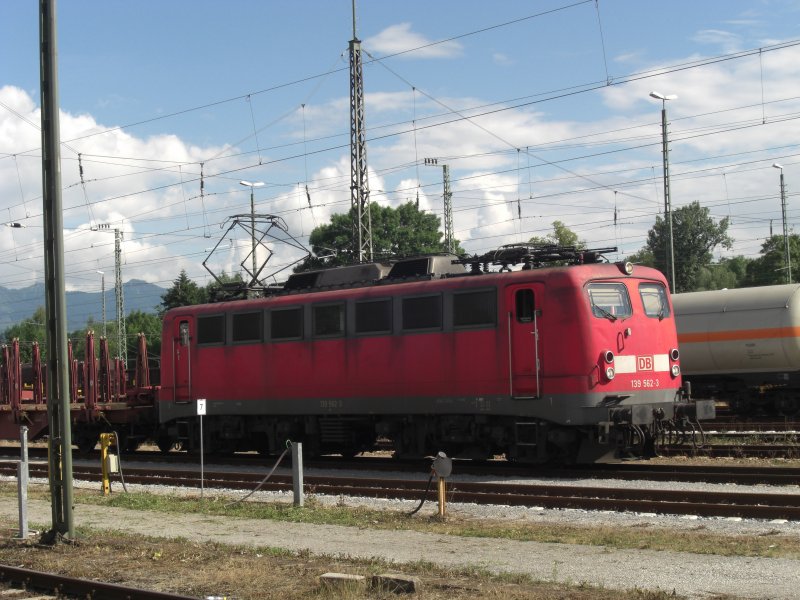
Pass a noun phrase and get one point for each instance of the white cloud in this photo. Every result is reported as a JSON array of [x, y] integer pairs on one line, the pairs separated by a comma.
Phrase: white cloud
[[502, 59], [400, 38], [727, 41]]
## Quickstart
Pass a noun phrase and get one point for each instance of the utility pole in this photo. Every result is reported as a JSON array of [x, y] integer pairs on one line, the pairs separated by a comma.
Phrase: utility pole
[[667, 200], [447, 195], [787, 257], [58, 400], [103, 297], [359, 181]]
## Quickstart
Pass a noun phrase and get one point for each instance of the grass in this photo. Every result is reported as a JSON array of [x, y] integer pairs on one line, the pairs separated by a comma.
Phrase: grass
[[640, 536], [201, 570]]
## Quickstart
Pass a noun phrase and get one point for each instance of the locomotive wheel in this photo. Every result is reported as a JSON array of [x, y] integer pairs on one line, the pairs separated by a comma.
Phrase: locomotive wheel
[[741, 404], [86, 442], [786, 404], [164, 444]]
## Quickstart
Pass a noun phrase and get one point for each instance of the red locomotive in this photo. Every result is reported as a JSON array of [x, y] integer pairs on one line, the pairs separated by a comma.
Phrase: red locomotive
[[576, 362]]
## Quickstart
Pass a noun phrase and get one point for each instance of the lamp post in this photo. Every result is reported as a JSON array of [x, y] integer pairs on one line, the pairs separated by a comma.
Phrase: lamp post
[[103, 294], [667, 200], [787, 259], [252, 185]]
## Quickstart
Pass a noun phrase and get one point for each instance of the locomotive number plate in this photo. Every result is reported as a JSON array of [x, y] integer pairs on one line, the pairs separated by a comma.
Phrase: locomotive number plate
[[645, 383]]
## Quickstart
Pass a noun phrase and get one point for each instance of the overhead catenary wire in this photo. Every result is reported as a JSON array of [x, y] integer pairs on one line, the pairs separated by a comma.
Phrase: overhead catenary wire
[[414, 120]]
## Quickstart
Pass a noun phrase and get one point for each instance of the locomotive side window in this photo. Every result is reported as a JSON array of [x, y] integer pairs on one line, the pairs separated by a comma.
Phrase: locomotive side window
[[286, 323], [422, 313], [374, 316], [472, 309], [184, 331], [609, 300], [654, 300], [246, 327], [525, 305], [328, 320], [211, 330]]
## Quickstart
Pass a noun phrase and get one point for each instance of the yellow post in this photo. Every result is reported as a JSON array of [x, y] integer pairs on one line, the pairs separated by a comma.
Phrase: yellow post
[[106, 439], [442, 494]]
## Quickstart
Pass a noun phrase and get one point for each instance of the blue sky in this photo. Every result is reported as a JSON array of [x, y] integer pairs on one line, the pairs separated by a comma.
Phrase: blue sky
[[539, 108]]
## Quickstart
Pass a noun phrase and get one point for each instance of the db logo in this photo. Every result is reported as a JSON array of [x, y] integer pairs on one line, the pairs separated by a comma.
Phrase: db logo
[[644, 363]]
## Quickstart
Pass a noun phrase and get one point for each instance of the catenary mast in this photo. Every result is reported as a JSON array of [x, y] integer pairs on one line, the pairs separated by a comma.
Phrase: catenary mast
[[359, 184]]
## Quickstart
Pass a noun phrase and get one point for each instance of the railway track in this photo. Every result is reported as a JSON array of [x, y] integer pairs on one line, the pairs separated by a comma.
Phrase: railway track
[[28, 583], [641, 470], [665, 501]]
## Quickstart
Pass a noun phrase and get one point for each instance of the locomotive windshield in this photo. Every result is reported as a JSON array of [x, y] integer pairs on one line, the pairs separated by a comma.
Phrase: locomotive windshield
[[654, 300], [609, 300]]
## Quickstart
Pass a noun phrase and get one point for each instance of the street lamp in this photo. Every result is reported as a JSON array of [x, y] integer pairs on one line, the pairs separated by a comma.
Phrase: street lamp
[[667, 200], [103, 294], [787, 259], [252, 185]]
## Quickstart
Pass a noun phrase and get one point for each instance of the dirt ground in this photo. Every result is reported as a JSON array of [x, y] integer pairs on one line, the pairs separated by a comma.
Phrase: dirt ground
[[218, 570]]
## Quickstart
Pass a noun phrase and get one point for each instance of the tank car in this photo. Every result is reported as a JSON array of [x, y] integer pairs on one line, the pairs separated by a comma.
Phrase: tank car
[[576, 363], [742, 346]]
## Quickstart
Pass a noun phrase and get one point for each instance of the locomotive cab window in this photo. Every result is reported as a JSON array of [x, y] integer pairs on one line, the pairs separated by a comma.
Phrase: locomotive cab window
[[184, 333], [525, 305], [246, 327], [328, 320], [286, 323], [374, 316], [654, 300], [609, 300], [211, 330], [475, 309], [424, 312]]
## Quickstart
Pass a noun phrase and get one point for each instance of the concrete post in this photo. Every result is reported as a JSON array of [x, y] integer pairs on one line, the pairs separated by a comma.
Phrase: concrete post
[[22, 482], [297, 473]]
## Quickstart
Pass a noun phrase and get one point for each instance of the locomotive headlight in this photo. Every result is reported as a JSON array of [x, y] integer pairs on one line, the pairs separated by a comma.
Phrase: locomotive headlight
[[625, 267], [608, 355], [676, 370], [674, 354], [610, 373]]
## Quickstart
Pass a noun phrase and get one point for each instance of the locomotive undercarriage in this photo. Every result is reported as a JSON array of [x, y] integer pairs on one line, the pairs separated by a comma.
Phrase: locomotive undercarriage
[[460, 436], [770, 394]]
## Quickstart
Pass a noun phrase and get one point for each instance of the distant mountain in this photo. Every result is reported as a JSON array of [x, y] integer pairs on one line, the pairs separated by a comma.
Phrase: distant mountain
[[19, 304]]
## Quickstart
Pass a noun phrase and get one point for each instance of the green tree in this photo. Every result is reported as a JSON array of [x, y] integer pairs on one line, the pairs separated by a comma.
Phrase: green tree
[[396, 232], [727, 273], [184, 292], [28, 331], [561, 236], [147, 323], [642, 257], [770, 268], [227, 284], [695, 234]]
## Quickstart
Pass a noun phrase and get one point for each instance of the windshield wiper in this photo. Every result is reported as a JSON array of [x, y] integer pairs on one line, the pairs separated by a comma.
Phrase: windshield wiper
[[605, 313]]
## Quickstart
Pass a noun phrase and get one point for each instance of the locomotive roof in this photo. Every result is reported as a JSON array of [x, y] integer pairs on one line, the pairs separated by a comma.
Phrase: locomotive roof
[[570, 275]]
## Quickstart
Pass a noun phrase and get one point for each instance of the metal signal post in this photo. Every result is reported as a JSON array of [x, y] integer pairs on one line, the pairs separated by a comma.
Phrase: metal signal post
[[58, 397]]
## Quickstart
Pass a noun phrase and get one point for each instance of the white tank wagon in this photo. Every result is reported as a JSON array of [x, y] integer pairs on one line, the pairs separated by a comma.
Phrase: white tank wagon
[[742, 346]]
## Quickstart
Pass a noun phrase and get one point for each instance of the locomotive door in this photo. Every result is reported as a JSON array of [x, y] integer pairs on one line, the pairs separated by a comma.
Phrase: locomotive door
[[524, 343], [182, 335]]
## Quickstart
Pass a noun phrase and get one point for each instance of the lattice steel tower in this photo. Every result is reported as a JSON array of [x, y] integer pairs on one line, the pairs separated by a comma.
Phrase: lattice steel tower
[[359, 184], [122, 341], [449, 238]]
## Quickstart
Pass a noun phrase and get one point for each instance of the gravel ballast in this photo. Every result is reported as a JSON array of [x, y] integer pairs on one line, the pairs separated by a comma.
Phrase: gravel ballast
[[692, 575]]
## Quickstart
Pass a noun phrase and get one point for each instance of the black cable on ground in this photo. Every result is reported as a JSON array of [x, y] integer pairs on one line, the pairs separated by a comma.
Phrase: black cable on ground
[[119, 461], [263, 481], [424, 496]]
